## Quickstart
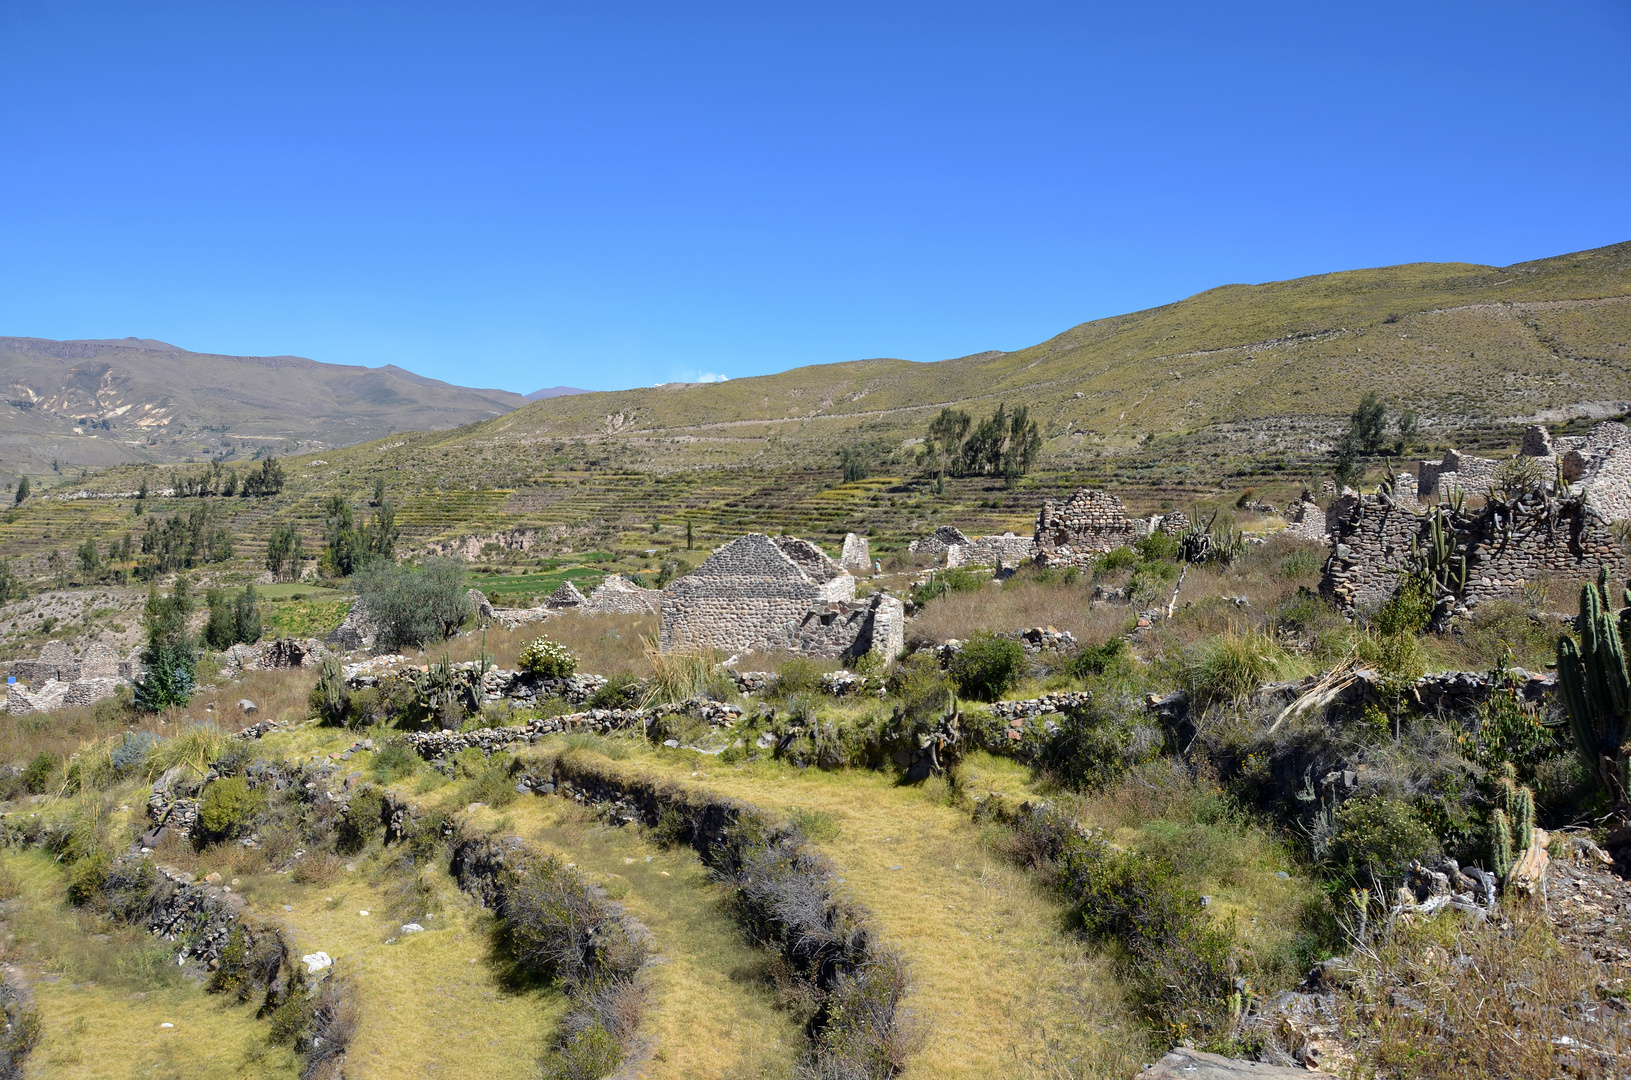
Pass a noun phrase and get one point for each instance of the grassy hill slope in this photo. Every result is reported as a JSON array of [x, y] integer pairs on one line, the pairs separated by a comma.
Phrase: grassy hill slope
[[1462, 344]]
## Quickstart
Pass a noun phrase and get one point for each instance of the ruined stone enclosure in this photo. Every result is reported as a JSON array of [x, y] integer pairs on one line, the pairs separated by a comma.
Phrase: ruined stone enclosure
[[1506, 544], [1080, 529], [777, 594]]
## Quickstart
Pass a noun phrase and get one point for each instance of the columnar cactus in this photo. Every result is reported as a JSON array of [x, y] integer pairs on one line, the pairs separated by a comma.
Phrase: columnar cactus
[[1597, 690], [1500, 842], [1518, 802]]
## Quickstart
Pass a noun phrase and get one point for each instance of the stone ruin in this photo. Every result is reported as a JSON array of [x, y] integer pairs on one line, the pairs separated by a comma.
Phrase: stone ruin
[[937, 543], [1596, 465], [57, 679], [617, 595], [567, 596], [1506, 545], [1004, 552], [471, 548], [759, 593], [1088, 524], [857, 554]]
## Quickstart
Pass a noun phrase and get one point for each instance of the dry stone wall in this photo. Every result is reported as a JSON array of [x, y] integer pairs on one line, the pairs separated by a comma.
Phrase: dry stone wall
[[1088, 524], [857, 554], [937, 543], [1506, 545], [1003, 551], [1472, 475]]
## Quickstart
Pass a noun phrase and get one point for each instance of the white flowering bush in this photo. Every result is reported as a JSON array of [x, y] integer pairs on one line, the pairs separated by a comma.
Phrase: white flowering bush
[[548, 659]]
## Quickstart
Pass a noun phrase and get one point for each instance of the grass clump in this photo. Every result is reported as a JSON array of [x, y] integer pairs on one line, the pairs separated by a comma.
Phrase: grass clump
[[1231, 666], [228, 807]]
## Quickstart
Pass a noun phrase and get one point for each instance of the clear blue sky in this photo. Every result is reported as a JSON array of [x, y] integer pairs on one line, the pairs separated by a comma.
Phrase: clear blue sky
[[607, 195]]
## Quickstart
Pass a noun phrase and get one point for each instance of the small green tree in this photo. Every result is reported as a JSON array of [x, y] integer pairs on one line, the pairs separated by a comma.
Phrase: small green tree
[[246, 617], [1405, 421], [169, 659], [22, 491], [853, 460], [1368, 424]]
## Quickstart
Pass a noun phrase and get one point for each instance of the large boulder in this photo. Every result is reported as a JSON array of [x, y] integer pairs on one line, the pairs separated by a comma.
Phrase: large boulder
[[356, 631]]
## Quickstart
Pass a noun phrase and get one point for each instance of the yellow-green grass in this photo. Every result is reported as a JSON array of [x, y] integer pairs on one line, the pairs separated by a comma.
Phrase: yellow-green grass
[[432, 1003], [999, 985], [712, 1011], [102, 999], [303, 618]]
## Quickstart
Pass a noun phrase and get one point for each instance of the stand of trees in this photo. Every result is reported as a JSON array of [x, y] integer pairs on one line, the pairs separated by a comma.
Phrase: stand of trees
[[350, 546], [284, 551], [232, 621], [1004, 444], [182, 543], [218, 479]]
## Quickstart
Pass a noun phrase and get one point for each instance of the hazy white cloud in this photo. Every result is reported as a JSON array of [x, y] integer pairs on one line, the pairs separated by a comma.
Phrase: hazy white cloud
[[694, 376]]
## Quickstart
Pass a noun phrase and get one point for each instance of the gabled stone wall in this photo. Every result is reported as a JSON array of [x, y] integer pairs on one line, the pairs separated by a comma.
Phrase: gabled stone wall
[[617, 595], [857, 554], [758, 593], [939, 542], [1088, 524]]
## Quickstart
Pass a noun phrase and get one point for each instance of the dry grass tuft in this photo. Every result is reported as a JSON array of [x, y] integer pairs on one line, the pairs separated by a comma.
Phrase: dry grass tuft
[[1442, 1000]]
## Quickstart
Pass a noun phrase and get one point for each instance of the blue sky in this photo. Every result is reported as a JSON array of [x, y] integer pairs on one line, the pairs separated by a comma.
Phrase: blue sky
[[609, 195]]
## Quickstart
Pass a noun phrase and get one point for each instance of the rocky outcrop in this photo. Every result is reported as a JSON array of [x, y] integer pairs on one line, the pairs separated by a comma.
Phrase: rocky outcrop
[[1183, 1063]]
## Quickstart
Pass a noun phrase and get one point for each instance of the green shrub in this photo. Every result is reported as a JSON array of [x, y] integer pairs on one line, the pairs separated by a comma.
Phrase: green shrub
[[1157, 547], [921, 687], [797, 676], [1376, 837], [590, 1054], [41, 772], [1151, 583], [1095, 660], [1094, 744], [394, 759], [1408, 610], [548, 659], [945, 582], [413, 606], [86, 878], [364, 819], [1231, 666], [1116, 559], [987, 666], [621, 691], [228, 808], [1301, 563]]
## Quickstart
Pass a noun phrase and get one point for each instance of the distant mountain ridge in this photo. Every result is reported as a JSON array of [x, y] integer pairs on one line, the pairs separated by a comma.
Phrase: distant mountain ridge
[[554, 391], [92, 403]]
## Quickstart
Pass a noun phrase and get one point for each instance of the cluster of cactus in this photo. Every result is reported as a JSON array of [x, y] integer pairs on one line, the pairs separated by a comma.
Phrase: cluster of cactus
[[1597, 690], [1437, 562], [1512, 827]]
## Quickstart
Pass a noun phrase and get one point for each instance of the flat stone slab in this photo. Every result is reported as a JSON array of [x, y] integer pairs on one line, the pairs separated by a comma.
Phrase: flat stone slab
[[1183, 1064]]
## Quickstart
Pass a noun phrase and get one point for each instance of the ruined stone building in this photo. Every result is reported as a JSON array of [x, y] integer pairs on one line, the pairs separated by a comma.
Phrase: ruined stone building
[[617, 595], [765, 594], [1596, 465], [937, 543], [1506, 545], [857, 554], [1088, 524], [1004, 552]]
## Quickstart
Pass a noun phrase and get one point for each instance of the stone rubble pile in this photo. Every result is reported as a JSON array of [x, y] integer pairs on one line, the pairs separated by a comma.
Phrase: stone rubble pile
[[1039, 639]]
